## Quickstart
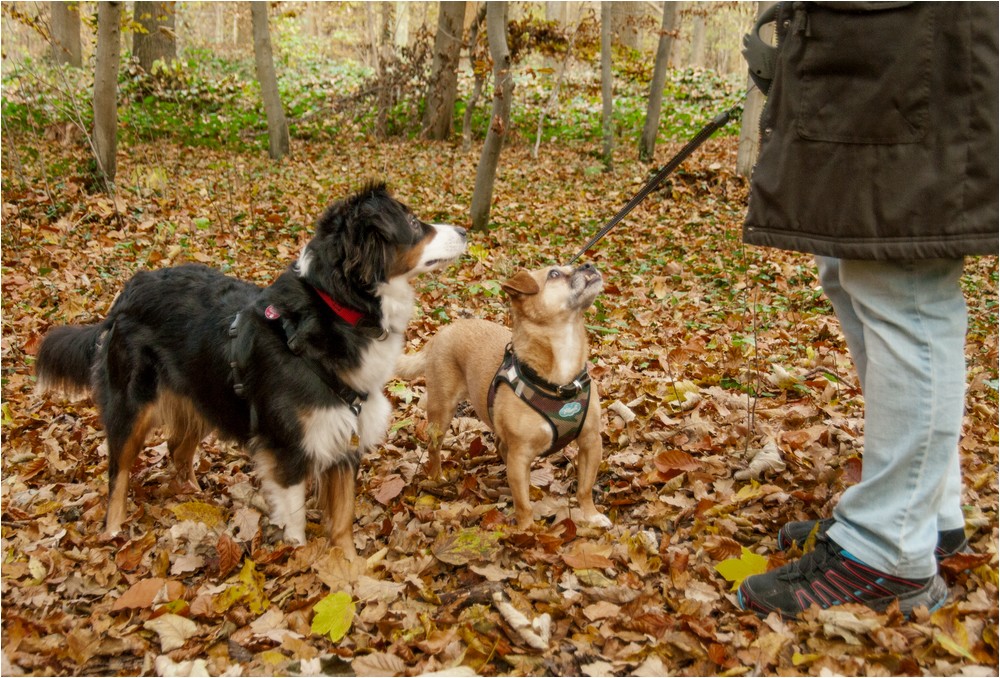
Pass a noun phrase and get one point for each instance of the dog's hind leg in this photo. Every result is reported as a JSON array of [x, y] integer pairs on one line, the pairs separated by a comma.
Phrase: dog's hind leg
[[126, 436], [182, 450], [336, 497], [186, 430], [443, 396]]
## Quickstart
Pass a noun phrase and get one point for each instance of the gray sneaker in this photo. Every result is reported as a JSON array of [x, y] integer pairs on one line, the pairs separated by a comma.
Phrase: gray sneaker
[[829, 576], [950, 542]]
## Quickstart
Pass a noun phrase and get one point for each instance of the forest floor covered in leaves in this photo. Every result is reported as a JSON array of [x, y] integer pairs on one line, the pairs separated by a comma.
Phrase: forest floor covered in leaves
[[691, 326]]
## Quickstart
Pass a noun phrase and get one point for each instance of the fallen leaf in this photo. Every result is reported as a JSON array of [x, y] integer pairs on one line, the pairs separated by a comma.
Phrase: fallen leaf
[[389, 489], [199, 512], [147, 592], [172, 629], [334, 615], [736, 570], [466, 545]]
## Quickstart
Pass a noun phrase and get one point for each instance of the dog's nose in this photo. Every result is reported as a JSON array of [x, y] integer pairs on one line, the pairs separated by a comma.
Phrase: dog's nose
[[462, 233], [587, 268]]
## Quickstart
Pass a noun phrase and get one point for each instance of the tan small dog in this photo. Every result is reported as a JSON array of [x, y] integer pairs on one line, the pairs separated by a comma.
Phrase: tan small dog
[[529, 384]]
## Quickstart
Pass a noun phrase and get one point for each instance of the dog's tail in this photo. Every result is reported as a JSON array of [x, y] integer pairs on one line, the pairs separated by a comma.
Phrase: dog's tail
[[66, 358], [411, 366]]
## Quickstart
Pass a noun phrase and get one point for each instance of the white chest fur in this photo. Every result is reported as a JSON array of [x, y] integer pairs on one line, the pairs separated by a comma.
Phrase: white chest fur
[[330, 432]]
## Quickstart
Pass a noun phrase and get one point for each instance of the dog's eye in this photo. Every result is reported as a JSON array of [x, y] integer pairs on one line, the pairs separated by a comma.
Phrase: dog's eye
[[414, 224], [555, 273]]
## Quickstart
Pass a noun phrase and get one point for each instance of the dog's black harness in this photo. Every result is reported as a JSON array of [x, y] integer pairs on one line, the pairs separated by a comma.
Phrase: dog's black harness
[[238, 359], [563, 407]]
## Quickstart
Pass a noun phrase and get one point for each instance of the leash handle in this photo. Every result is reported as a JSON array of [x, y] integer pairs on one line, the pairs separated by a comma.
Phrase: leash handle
[[708, 130]]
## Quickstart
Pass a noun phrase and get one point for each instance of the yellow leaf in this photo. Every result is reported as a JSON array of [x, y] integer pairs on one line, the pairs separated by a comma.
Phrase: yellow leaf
[[200, 512], [248, 589], [272, 657], [738, 569], [334, 615], [798, 659], [953, 646]]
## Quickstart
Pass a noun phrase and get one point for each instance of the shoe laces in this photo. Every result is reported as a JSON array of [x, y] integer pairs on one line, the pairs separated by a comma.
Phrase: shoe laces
[[815, 562]]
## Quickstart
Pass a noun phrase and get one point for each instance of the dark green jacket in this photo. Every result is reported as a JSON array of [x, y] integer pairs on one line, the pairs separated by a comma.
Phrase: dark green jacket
[[879, 135]]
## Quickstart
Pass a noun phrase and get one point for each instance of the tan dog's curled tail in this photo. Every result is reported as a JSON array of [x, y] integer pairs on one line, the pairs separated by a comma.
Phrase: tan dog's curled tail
[[411, 365]]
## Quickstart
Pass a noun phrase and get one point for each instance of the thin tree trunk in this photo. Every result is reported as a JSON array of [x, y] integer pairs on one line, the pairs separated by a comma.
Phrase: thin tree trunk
[[66, 33], [277, 125], [156, 40], [443, 86], [554, 96], [698, 39], [106, 89], [503, 90], [746, 156], [625, 21], [607, 100], [479, 78], [647, 142], [401, 30], [384, 49]]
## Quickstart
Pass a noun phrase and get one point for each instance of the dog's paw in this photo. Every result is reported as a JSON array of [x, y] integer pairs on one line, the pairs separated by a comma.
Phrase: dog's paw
[[597, 520]]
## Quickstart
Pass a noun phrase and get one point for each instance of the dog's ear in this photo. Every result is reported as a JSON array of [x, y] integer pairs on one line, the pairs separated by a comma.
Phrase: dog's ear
[[521, 284]]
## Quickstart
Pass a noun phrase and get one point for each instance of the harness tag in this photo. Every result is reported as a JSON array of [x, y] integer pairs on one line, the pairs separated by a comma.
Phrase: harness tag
[[569, 410], [271, 313]]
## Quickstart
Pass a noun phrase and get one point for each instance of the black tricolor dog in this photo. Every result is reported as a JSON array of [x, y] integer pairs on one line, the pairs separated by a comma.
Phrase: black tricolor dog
[[295, 370]]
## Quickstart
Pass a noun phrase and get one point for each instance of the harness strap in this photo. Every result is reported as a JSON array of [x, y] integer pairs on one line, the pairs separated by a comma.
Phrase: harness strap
[[563, 407], [236, 365], [353, 399]]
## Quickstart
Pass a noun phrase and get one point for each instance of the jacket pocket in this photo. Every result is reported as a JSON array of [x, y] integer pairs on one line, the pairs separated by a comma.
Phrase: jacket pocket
[[865, 75]]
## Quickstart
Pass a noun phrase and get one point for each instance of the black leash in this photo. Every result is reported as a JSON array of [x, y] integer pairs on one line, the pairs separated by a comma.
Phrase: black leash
[[708, 130]]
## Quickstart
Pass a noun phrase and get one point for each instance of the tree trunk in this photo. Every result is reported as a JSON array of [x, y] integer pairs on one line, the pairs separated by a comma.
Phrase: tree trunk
[[401, 30], [503, 90], [697, 59], [647, 142], [66, 33], [277, 125], [155, 39], [105, 137], [443, 86], [625, 19], [607, 98], [479, 77], [379, 25], [554, 95], [746, 156]]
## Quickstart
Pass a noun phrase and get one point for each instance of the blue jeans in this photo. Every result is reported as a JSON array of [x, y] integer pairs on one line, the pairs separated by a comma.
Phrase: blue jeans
[[905, 325]]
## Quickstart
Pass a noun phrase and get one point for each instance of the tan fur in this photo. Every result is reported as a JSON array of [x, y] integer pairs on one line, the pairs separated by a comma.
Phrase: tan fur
[[549, 336]]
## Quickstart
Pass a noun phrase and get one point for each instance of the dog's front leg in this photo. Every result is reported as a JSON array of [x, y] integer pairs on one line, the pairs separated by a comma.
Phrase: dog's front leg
[[287, 501], [519, 460], [588, 462], [337, 499]]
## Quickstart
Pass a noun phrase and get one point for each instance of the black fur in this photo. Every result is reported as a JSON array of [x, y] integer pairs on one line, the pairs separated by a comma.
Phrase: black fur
[[169, 333]]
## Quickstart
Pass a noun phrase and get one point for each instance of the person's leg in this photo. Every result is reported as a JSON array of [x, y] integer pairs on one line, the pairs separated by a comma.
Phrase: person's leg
[[950, 516], [914, 320], [843, 306]]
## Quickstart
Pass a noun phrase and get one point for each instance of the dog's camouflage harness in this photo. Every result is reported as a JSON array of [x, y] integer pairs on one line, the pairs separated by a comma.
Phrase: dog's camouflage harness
[[564, 407]]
